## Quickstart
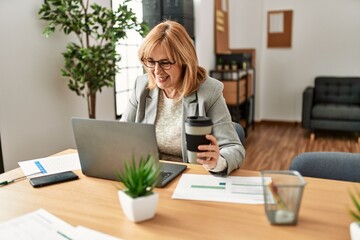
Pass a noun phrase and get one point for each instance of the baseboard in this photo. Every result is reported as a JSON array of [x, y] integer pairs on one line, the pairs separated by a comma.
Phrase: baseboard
[[278, 122]]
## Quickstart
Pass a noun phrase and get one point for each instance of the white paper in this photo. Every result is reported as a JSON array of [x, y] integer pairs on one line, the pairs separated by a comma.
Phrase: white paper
[[276, 23], [51, 165], [83, 233], [38, 225], [233, 189], [42, 225]]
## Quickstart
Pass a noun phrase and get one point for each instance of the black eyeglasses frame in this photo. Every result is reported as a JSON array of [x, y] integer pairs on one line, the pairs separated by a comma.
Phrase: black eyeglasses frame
[[158, 62]]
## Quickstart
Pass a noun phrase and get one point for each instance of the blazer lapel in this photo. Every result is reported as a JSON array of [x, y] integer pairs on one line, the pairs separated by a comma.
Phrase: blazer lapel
[[151, 102], [190, 104]]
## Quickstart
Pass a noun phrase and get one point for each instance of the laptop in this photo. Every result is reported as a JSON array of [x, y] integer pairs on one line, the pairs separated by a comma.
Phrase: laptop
[[104, 145]]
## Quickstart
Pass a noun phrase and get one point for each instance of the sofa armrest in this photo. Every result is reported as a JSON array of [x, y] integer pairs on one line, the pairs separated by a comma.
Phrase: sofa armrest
[[307, 103]]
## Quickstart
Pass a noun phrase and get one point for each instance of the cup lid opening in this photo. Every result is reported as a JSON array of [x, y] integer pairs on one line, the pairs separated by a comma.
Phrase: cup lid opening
[[198, 121]]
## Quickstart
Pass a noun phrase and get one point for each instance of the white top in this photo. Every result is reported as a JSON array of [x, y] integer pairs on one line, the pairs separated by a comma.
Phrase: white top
[[168, 126]]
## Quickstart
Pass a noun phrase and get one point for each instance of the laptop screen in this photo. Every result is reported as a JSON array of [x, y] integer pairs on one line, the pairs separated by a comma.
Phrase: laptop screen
[[103, 145]]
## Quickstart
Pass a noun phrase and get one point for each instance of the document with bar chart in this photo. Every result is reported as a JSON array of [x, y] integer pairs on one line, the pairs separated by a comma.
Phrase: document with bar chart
[[235, 189]]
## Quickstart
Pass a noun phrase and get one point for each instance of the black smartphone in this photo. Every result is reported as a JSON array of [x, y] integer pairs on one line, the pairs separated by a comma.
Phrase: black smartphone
[[53, 178]]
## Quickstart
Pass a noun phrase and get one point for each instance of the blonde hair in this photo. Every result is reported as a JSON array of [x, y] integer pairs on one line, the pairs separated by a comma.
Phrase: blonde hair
[[179, 47]]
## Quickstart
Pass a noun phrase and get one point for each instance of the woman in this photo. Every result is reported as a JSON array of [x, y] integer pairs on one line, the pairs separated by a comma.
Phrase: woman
[[176, 87]]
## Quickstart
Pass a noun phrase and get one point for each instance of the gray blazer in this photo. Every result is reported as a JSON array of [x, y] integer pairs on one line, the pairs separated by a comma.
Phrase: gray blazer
[[207, 101]]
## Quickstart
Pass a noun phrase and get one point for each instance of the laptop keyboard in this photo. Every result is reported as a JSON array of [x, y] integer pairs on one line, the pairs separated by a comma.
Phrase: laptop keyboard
[[164, 175]]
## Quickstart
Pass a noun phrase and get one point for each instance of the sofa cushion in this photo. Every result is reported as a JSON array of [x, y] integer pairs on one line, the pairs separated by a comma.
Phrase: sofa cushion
[[336, 112], [342, 90]]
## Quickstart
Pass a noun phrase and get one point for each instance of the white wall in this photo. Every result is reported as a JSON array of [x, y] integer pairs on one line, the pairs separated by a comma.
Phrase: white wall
[[245, 23], [35, 102], [204, 33]]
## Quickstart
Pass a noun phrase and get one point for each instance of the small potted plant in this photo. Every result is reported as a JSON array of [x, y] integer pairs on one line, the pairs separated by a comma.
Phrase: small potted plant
[[355, 214], [139, 178]]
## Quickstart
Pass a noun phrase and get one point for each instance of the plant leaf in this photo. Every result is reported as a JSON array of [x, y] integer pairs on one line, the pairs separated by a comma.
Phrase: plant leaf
[[355, 198], [139, 178]]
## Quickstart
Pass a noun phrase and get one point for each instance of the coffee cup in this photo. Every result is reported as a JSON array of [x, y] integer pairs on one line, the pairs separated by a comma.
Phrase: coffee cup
[[196, 127]]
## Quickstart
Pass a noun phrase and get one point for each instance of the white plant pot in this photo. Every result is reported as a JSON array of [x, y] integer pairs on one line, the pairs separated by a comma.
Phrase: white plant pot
[[355, 230], [138, 209]]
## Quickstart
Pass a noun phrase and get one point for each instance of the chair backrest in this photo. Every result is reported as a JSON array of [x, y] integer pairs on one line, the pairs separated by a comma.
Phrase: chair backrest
[[330, 165], [240, 132], [343, 90]]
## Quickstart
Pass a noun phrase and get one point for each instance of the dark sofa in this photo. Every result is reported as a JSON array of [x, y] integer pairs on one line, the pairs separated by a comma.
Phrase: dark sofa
[[332, 104]]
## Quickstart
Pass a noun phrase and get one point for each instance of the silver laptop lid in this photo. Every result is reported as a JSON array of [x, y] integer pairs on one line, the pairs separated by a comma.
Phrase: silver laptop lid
[[103, 145]]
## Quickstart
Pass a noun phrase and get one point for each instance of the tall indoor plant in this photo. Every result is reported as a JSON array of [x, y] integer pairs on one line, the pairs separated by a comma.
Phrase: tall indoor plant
[[90, 63]]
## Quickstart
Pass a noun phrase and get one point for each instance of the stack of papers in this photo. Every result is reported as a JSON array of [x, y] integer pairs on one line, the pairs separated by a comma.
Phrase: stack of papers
[[42, 225], [233, 189]]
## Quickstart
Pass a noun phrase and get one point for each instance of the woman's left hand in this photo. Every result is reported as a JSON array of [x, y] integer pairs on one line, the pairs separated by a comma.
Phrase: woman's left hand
[[211, 155]]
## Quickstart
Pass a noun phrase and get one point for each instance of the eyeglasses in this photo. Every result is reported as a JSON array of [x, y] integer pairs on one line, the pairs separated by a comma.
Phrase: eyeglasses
[[164, 64]]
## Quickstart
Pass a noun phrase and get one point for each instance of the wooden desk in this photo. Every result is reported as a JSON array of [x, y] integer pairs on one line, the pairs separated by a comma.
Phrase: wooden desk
[[94, 203]]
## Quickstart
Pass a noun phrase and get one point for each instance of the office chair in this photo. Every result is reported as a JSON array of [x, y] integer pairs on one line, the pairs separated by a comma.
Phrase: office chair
[[330, 165], [240, 132]]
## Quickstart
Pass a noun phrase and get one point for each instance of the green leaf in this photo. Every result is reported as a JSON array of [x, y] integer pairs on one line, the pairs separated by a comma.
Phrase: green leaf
[[139, 177], [355, 198]]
